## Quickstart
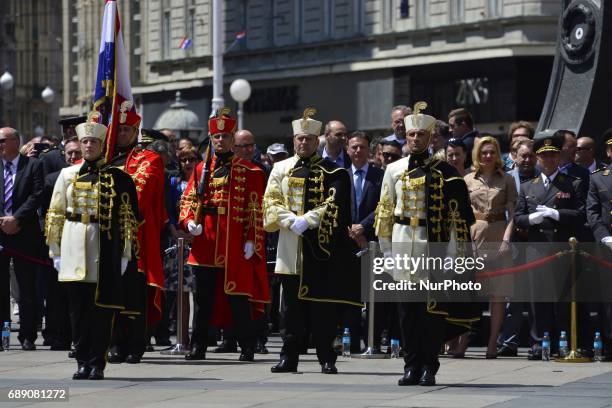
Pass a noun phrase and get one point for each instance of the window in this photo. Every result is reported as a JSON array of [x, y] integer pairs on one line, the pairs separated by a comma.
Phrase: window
[[191, 29], [456, 11], [166, 34], [422, 12], [404, 9], [495, 8]]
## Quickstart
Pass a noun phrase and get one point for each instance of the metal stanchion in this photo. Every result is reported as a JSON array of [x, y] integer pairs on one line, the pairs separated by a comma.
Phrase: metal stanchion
[[179, 348], [371, 352], [574, 355]]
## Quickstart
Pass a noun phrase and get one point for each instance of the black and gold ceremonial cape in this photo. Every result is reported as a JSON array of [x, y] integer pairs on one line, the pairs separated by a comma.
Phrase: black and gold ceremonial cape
[[330, 270]]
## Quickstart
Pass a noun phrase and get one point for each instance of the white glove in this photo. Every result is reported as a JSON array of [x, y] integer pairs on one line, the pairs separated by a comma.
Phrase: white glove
[[607, 241], [548, 212], [249, 250], [124, 264], [299, 225], [57, 262], [194, 229], [536, 218]]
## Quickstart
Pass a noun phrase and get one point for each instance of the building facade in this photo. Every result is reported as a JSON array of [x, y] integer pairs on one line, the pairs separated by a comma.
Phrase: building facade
[[351, 59], [30, 49]]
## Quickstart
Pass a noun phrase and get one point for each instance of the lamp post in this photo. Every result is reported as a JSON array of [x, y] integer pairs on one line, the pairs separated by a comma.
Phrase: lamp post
[[217, 57], [240, 90]]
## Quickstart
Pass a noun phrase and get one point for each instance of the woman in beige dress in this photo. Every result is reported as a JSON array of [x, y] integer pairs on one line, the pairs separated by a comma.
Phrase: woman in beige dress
[[493, 196]]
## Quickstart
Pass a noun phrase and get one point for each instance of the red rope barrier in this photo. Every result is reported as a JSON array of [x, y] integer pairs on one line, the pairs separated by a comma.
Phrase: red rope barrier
[[521, 268], [12, 252], [600, 261]]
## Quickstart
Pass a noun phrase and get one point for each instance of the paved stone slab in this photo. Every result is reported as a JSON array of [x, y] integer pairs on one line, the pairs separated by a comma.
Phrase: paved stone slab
[[222, 381]]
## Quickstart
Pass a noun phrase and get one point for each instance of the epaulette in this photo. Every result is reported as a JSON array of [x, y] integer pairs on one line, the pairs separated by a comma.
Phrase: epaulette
[[597, 170], [534, 180], [606, 172], [529, 179]]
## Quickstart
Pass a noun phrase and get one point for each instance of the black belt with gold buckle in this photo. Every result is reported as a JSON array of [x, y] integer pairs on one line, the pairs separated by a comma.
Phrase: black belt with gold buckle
[[412, 221], [83, 218]]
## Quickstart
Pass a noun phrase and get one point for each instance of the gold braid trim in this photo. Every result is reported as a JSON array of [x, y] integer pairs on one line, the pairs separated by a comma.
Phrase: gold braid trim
[[189, 202], [383, 215], [329, 219], [456, 222], [436, 204], [140, 176], [106, 200], [128, 224], [255, 220], [54, 225], [273, 197]]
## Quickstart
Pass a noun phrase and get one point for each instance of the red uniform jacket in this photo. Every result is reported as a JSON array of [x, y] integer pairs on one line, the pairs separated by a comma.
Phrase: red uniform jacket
[[147, 170], [231, 215]]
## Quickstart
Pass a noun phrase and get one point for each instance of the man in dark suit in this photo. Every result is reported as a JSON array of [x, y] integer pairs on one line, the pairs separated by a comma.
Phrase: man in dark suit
[[568, 163], [57, 331], [335, 144], [366, 182], [21, 186], [599, 215], [550, 207], [585, 155], [52, 160]]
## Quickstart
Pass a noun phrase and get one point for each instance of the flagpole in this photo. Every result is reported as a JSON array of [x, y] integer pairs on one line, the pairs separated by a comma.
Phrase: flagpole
[[217, 51]]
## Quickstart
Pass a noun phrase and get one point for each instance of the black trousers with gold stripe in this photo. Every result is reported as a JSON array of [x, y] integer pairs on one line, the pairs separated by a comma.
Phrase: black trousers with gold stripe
[[93, 325]]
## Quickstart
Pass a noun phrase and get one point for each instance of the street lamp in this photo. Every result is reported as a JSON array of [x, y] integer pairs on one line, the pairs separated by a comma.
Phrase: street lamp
[[48, 95], [7, 81], [240, 90]]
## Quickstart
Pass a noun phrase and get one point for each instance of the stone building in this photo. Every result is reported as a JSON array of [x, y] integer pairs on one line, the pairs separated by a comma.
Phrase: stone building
[[351, 59], [31, 44]]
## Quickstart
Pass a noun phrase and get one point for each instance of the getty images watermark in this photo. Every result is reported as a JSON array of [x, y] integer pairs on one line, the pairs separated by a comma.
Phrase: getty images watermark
[[424, 273]]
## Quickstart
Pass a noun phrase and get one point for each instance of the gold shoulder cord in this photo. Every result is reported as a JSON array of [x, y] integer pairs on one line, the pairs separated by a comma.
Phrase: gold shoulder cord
[[457, 222]]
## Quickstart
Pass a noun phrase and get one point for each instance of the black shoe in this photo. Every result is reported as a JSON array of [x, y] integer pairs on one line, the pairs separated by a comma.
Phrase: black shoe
[[27, 345], [196, 353], [505, 351], [260, 348], [82, 373], [284, 366], [96, 374], [132, 359], [329, 368], [247, 356], [428, 378], [226, 347], [115, 358], [72, 354], [411, 377]]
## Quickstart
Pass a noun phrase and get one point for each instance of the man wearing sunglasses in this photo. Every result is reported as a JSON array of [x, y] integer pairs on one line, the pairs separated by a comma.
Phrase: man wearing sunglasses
[[391, 152]]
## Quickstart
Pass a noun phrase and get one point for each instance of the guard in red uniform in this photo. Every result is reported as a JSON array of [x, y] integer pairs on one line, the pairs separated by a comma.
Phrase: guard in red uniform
[[221, 208], [147, 170]]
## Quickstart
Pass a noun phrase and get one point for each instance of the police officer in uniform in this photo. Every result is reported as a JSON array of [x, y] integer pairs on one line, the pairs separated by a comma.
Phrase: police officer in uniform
[[551, 208], [91, 230], [308, 201], [599, 216]]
